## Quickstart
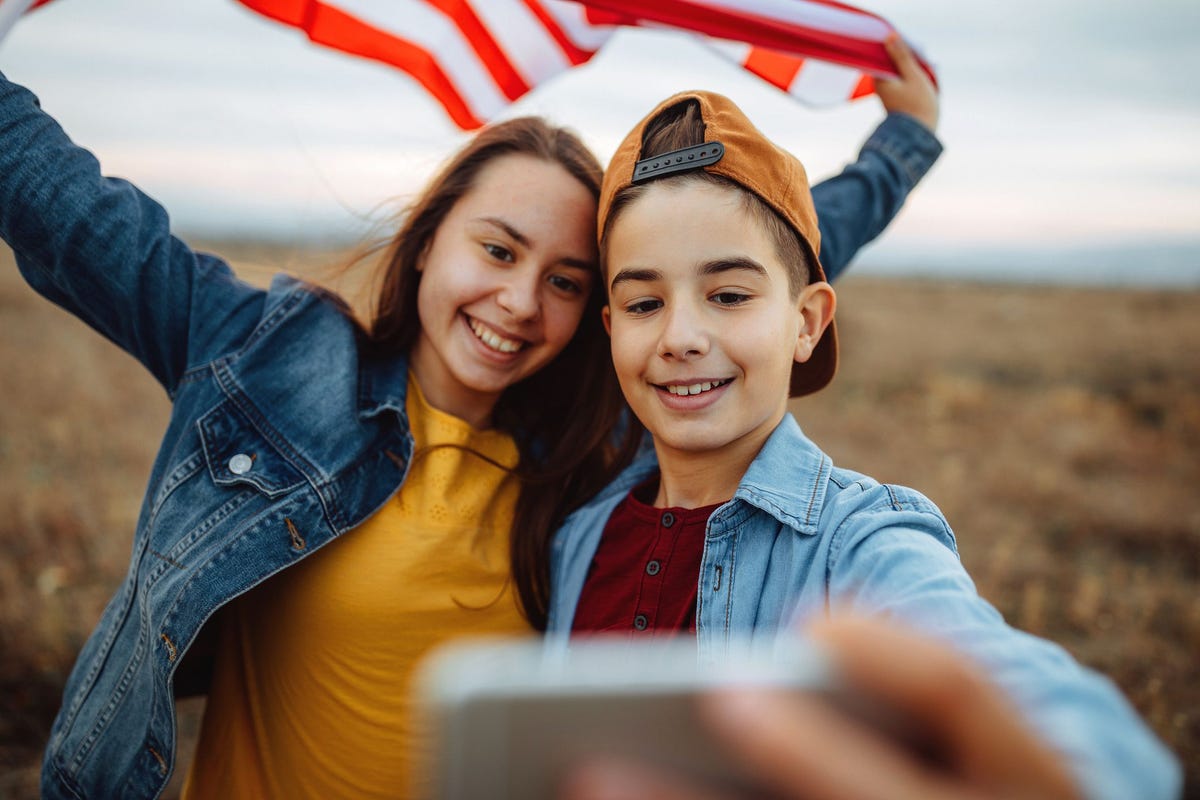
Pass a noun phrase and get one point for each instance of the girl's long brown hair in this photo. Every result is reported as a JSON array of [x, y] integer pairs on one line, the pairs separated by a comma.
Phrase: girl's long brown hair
[[565, 418]]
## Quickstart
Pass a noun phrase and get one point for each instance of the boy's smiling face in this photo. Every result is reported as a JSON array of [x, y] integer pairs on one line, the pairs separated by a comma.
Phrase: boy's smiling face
[[704, 328]]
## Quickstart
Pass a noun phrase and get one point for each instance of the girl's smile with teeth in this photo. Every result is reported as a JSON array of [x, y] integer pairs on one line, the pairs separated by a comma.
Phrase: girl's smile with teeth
[[492, 339]]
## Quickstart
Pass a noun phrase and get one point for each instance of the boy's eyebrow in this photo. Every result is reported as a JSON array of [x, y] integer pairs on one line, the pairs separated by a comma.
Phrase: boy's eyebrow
[[523, 240], [634, 275], [720, 265], [714, 267]]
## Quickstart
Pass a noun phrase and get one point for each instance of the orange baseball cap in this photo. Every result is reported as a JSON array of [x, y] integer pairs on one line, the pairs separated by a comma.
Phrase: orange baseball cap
[[738, 151]]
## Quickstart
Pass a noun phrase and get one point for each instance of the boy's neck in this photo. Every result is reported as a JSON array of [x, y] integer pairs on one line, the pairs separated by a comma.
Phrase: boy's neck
[[691, 479]]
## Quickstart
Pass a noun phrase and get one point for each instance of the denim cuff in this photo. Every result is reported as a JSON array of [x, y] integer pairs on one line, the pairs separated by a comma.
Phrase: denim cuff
[[907, 142]]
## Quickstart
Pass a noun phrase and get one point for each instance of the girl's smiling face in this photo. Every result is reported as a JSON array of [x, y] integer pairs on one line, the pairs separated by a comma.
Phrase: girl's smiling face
[[704, 326], [504, 284]]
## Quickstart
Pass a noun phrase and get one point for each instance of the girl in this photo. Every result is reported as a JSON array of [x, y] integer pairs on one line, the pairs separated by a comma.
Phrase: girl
[[291, 425], [476, 400]]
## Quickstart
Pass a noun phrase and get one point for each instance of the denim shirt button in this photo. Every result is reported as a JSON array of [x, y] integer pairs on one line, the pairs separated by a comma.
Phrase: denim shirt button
[[240, 464]]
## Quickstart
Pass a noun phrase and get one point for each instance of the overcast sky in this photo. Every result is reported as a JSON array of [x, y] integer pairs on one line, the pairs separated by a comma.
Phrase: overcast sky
[[1070, 126]]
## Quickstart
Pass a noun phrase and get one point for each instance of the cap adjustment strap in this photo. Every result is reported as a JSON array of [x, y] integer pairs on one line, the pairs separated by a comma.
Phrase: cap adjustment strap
[[699, 155]]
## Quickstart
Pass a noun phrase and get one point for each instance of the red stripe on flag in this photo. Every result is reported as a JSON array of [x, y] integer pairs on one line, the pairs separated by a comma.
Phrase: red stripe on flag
[[574, 54], [493, 57], [767, 31], [774, 67], [865, 86], [334, 28]]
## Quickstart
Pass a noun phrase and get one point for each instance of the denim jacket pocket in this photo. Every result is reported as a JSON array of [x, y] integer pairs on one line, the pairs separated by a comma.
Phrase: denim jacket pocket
[[238, 453]]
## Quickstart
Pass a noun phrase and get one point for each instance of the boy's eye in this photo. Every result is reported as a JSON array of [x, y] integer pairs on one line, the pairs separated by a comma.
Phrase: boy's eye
[[563, 283], [729, 298], [498, 252], [643, 306]]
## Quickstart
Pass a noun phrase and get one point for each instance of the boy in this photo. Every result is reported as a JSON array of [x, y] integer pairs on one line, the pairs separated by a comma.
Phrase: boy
[[719, 312]]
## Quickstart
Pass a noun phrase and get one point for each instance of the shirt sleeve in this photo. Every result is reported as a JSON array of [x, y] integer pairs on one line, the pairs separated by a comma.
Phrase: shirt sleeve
[[103, 250], [901, 563], [855, 206]]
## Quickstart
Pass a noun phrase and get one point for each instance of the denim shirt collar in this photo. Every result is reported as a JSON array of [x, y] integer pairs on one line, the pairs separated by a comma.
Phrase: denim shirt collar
[[788, 478]]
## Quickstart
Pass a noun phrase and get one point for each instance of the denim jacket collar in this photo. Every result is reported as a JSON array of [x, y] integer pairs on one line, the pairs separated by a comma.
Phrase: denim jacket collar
[[382, 385], [788, 478]]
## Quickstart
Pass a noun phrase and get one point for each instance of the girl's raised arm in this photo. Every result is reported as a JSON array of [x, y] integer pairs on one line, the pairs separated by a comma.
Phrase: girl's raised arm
[[103, 250]]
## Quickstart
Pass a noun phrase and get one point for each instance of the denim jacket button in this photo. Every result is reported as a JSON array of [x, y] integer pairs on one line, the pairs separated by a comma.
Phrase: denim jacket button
[[240, 464]]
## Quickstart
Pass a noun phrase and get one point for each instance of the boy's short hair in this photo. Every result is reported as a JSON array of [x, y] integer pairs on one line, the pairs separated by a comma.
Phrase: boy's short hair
[[732, 149]]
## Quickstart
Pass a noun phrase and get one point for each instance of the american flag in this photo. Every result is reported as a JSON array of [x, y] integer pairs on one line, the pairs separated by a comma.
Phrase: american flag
[[477, 57]]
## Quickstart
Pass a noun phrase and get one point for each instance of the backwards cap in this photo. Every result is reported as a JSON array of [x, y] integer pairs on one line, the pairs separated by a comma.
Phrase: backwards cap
[[734, 149]]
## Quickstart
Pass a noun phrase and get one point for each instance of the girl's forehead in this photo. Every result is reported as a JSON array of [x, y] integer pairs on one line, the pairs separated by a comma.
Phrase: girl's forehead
[[513, 173]]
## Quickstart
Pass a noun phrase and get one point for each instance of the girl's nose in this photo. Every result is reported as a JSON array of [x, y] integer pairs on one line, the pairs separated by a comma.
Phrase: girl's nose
[[519, 296]]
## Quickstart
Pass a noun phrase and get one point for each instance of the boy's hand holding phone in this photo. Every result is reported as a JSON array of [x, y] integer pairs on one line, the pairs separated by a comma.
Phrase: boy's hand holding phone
[[800, 747]]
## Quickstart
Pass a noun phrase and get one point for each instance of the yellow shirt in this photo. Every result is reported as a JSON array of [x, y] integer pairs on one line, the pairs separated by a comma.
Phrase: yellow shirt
[[310, 689]]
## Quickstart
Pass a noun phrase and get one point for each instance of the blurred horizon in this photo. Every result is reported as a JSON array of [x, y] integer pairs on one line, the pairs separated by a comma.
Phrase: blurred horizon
[[1068, 127]]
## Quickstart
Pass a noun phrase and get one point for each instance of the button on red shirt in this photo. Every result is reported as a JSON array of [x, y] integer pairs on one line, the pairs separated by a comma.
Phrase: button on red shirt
[[644, 575]]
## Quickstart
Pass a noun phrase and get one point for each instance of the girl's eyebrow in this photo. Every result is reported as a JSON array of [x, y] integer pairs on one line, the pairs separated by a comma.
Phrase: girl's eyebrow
[[523, 240], [512, 232]]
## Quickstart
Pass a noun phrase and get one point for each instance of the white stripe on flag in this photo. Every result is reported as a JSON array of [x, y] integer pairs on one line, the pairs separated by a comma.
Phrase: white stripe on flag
[[426, 27], [820, 83], [530, 48], [10, 12], [737, 52]]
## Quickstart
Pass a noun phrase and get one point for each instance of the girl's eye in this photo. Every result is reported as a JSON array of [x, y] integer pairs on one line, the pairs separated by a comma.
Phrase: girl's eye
[[563, 283], [643, 307], [498, 252], [730, 298]]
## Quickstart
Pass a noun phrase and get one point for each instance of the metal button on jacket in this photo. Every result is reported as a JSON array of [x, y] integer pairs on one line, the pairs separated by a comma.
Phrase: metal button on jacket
[[240, 464]]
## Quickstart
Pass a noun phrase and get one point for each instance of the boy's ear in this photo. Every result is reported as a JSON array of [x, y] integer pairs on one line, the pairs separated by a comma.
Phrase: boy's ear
[[816, 303], [606, 315]]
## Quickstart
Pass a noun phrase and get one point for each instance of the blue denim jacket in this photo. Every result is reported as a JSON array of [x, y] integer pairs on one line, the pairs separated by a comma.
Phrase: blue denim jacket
[[284, 432], [802, 538]]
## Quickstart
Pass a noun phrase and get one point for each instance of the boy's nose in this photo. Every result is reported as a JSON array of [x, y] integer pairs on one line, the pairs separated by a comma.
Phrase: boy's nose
[[519, 296], [683, 335]]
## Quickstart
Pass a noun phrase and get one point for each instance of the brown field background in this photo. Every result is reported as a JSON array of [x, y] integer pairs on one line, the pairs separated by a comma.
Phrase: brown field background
[[1059, 429]]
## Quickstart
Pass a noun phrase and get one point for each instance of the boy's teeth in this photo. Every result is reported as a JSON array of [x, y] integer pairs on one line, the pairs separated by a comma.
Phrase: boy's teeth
[[493, 339], [692, 388]]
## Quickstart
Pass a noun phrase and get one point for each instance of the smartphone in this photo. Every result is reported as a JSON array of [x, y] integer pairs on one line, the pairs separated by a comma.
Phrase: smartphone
[[507, 719]]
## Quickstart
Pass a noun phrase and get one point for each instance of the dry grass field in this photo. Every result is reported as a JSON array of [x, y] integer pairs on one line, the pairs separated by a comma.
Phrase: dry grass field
[[1059, 429]]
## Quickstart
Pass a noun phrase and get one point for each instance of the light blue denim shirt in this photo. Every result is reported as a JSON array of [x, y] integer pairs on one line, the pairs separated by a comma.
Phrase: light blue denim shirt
[[802, 537], [285, 431]]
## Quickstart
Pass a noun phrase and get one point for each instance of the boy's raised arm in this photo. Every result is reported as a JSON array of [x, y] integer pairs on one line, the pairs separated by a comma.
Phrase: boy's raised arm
[[855, 206]]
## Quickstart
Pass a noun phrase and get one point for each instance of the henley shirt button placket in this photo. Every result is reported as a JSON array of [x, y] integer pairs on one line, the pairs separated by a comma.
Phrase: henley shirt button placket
[[668, 519], [652, 568], [640, 622]]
